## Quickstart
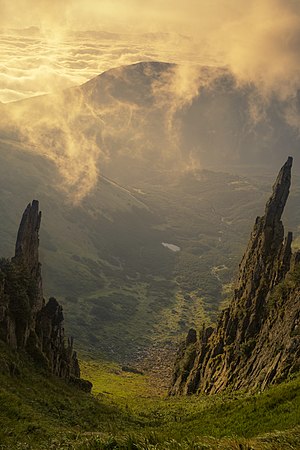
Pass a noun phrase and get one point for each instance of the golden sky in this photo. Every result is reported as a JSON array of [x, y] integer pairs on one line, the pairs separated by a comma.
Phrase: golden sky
[[48, 45], [138, 14], [258, 39]]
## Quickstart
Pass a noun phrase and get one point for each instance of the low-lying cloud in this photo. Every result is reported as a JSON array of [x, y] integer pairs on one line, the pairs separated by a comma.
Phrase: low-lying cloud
[[259, 40], [43, 63], [52, 48]]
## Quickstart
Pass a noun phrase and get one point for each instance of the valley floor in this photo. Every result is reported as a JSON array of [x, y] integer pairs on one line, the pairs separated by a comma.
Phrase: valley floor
[[126, 412]]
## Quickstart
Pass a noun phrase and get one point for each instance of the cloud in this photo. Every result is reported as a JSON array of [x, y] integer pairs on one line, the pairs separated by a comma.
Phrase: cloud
[[80, 130], [263, 46], [258, 39], [59, 44], [40, 80], [41, 63], [61, 134], [26, 13]]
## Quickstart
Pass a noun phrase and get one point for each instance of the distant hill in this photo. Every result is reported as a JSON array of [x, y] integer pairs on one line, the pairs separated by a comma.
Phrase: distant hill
[[155, 116]]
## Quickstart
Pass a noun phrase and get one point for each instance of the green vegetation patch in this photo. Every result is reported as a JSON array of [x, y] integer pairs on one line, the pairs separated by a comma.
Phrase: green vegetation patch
[[125, 412]]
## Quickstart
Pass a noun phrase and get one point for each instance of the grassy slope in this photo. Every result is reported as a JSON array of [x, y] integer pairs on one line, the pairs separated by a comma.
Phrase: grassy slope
[[126, 412]]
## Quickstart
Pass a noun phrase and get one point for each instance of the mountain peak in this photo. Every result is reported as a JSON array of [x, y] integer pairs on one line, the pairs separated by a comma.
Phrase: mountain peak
[[27, 248], [277, 202], [28, 236]]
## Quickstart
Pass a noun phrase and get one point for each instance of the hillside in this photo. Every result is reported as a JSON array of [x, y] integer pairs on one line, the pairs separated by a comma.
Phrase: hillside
[[153, 116], [38, 413]]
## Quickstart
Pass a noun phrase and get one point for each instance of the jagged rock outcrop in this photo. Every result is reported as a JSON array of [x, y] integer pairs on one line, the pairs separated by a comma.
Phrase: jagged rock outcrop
[[257, 339], [61, 357], [26, 322]]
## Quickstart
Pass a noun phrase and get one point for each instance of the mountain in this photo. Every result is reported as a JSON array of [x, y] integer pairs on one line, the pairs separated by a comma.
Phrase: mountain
[[26, 321], [152, 116], [256, 341], [118, 173], [141, 237]]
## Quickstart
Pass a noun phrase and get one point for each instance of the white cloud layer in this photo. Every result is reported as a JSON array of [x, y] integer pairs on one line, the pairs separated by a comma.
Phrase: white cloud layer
[[33, 63], [258, 39], [47, 46]]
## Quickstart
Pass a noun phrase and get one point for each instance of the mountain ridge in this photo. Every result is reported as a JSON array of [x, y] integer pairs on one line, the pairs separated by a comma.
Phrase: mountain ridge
[[157, 114]]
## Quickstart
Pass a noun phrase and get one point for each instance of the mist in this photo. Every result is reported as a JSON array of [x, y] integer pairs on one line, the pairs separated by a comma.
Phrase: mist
[[259, 41], [52, 47]]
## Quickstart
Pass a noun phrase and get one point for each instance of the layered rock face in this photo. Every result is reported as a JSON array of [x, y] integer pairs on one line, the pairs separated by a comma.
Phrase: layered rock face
[[257, 339], [26, 322]]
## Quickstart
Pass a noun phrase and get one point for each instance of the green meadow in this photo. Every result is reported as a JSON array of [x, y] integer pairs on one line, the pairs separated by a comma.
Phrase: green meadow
[[126, 411]]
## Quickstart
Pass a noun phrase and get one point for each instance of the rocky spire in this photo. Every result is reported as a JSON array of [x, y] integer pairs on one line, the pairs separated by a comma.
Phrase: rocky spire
[[281, 190], [243, 350], [267, 257], [27, 248], [27, 244], [25, 321]]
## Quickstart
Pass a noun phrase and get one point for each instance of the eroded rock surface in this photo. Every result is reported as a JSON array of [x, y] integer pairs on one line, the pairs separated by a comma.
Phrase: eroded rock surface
[[26, 321], [257, 339]]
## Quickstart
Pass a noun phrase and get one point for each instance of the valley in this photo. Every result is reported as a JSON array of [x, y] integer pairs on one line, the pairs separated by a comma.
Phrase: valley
[[105, 261], [148, 195]]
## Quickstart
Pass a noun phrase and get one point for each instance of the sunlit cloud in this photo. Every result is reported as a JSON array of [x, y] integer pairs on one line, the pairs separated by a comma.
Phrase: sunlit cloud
[[263, 46], [50, 46], [259, 40], [37, 65]]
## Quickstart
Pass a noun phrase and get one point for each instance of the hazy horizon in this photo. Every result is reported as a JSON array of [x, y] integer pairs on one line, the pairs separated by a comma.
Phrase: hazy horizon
[[198, 118], [49, 46]]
